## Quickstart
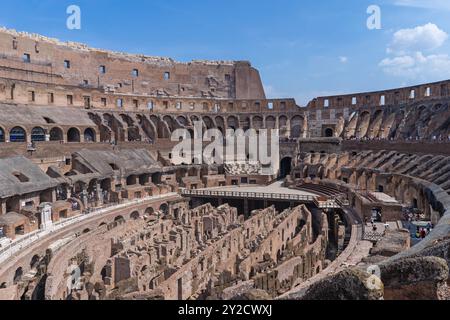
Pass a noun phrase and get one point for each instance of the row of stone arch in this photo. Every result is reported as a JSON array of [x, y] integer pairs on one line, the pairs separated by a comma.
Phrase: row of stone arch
[[134, 127], [39, 134], [425, 121], [135, 215]]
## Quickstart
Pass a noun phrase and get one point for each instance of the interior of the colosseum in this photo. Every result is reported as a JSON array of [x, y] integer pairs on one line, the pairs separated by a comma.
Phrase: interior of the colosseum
[[389, 181], [91, 191], [192, 253]]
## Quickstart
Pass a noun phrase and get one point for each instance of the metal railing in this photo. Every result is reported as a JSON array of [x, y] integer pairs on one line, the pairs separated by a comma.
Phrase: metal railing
[[248, 195], [373, 236], [329, 204]]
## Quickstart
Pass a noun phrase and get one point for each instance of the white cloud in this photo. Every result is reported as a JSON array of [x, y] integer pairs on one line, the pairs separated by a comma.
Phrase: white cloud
[[424, 4], [343, 59], [418, 66], [421, 38], [412, 54]]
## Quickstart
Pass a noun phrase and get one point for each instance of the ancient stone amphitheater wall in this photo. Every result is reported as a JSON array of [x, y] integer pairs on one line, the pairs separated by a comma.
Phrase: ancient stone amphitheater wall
[[48, 61], [414, 180]]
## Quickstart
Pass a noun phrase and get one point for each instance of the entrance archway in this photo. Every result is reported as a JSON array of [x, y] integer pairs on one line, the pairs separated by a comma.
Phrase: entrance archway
[[296, 127], [119, 219], [285, 167], [164, 208], [17, 134], [73, 135], [89, 135], [37, 134], [56, 134], [135, 215], [329, 133]]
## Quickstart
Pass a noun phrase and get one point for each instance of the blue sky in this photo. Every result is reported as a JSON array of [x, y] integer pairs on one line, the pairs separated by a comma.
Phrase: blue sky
[[302, 48]]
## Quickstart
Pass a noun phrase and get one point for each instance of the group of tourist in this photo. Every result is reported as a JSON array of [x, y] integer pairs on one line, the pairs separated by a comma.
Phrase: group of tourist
[[75, 205], [61, 193], [31, 147], [433, 138], [147, 140], [440, 138], [418, 226], [422, 233]]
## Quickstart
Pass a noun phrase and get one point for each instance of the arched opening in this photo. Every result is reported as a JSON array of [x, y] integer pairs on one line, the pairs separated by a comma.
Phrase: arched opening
[[73, 135], [209, 123], [170, 123], [156, 178], [131, 180], [283, 126], [17, 134], [149, 211], [87, 230], [135, 215], [220, 124], [296, 127], [258, 123], [2, 135], [144, 179], [37, 134], [133, 134], [183, 121], [89, 135], [119, 219], [233, 123], [363, 125], [56, 134], [329, 133], [148, 128], [271, 122], [285, 167], [161, 128], [164, 208], [246, 124]]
